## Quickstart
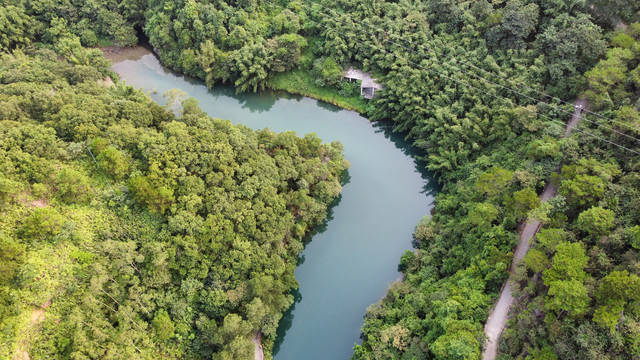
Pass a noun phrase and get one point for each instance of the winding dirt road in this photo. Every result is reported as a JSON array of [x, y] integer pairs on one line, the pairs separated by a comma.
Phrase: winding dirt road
[[498, 318]]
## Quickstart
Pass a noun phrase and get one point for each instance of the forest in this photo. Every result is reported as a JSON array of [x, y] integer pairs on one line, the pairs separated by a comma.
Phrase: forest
[[482, 88], [149, 234]]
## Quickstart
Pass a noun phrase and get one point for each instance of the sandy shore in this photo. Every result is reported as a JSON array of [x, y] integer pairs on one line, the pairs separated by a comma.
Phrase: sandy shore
[[117, 54]]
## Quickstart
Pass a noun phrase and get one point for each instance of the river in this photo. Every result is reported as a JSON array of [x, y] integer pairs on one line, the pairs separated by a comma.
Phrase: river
[[352, 259]]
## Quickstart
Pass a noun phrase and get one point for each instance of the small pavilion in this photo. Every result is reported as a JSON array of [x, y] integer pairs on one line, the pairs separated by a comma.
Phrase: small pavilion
[[368, 86]]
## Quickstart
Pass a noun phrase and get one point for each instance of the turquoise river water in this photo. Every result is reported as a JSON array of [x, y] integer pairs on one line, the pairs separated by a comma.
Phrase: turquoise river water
[[353, 258]]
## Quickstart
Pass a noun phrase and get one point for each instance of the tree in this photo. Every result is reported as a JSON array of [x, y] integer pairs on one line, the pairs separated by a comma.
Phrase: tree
[[634, 237], [457, 343], [523, 201], [517, 21], [17, 27], [156, 198], [73, 186], [616, 291], [612, 11], [570, 296], [483, 214], [572, 45], [536, 260], [494, 182], [327, 70], [596, 221], [163, 325], [113, 162], [565, 280], [43, 223], [584, 183], [568, 264], [548, 239], [11, 257]]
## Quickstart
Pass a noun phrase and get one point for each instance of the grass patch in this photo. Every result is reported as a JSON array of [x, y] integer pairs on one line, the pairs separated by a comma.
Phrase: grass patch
[[300, 82], [104, 42]]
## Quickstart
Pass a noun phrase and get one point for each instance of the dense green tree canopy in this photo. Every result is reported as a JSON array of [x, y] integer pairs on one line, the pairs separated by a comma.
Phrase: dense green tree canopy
[[181, 238], [150, 235]]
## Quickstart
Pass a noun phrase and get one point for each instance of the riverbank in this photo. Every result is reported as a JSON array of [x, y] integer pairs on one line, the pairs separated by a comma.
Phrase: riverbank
[[117, 54], [297, 82], [353, 257]]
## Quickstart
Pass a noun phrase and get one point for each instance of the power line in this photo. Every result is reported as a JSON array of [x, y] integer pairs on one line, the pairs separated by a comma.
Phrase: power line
[[487, 72], [483, 79], [471, 86], [549, 96]]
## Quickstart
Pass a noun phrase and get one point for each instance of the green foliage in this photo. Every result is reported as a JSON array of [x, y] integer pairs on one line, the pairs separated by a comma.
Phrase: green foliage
[[156, 198], [327, 70], [596, 221], [546, 353], [458, 344], [548, 239], [163, 325], [16, 29], [192, 247], [565, 280], [113, 162], [238, 43], [584, 184], [568, 263], [590, 297], [24, 22], [483, 214], [11, 257], [568, 295], [536, 260], [179, 241], [613, 11], [524, 201], [494, 182], [617, 290], [73, 186], [517, 21], [43, 223]]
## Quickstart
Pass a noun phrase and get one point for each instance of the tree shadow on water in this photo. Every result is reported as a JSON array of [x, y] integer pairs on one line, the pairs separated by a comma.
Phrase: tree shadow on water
[[286, 321], [322, 227], [327, 106], [257, 102], [288, 315], [403, 143]]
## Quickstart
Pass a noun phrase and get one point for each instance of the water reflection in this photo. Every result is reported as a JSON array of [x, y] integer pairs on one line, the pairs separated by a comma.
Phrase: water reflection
[[286, 321], [254, 102], [327, 106], [287, 317], [400, 140]]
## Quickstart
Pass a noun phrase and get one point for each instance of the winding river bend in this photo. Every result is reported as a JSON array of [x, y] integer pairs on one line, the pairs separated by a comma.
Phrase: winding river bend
[[351, 260]]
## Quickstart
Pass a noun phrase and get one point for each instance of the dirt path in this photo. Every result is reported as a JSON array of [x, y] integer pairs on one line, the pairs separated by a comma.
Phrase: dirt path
[[37, 315], [499, 315], [259, 354]]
